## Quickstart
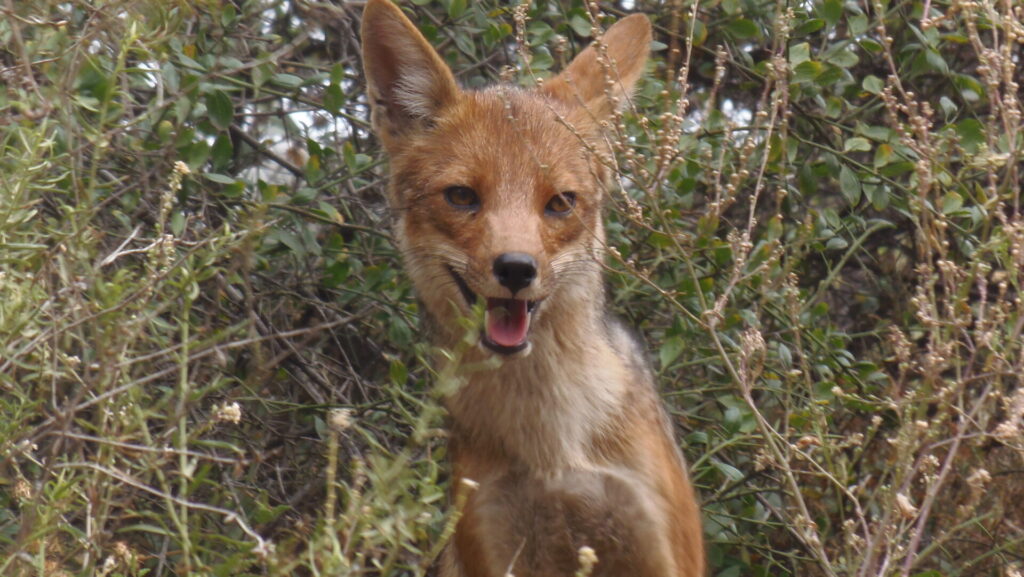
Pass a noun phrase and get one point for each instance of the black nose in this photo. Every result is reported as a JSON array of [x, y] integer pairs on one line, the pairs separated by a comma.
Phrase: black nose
[[515, 270]]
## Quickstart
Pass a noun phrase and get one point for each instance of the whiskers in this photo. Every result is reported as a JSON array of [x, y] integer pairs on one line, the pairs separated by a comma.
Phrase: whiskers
[[574, 266], [430, 268], [437, 255]]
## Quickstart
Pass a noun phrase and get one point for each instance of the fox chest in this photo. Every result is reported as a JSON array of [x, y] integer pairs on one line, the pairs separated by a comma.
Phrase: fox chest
[[544, 422], [535, 527]]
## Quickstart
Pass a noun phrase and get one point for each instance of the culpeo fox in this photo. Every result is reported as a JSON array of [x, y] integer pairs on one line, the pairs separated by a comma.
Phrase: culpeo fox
[[496, 199]]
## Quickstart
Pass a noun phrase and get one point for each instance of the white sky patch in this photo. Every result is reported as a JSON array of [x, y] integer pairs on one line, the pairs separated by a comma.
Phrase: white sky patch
[[151, 71], [740, 116]]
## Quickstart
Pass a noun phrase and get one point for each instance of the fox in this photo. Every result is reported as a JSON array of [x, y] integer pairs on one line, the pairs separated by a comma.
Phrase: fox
[[557, 438]]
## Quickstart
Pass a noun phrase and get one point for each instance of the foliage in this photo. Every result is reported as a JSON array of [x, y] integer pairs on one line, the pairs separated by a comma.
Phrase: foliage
[[209, 358]]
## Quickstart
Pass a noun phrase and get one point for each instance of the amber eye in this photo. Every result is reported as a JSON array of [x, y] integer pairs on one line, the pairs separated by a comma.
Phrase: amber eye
[[462, 197], [561, 204]]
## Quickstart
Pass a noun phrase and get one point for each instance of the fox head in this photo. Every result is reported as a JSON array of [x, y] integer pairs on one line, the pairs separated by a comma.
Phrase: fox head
[[498, 193]]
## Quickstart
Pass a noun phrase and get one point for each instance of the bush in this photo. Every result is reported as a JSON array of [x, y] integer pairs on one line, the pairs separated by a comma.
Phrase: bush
[[210, 360]]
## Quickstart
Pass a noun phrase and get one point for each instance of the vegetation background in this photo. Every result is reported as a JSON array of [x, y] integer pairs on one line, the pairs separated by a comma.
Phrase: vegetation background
[[209, 358]]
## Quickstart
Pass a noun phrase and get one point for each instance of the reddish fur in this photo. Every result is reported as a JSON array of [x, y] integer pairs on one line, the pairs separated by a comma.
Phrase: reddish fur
[[567, 440]]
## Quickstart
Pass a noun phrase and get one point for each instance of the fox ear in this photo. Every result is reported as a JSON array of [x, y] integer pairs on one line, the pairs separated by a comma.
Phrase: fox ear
[[583, 82], [407, 82]]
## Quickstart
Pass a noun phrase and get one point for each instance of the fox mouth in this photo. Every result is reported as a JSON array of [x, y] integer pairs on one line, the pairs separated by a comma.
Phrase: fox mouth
[[506, 320]]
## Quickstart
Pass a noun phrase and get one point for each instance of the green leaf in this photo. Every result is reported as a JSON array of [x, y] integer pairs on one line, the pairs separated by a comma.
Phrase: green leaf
[[877, 195], [807, 71], [871, 46], [336, 273], [542, 60], [398, 372], [196, 154], [496, 32], [850, 185], [218, 178], [830, 75], [899, 168], [930, 36], [842, 56], [177, 222], [697, 438], [858, 24], [883, 155], [348, 154], [951, 203], [172, 80], [165, 131], [334, 99], [466, 44], [742, 29], [808, 27], [785, 356], [304, 195], [700, 32], [190, 63], [456, 9], [936, 61], [261, 74], [832, 11], [146, 528], [873, 84], [874, 132], [228, 16], [230, 63], [223, 151], [807, 179], [949, 108], [834, 106], [969, 87], [220, 109], [972, 134], [857, 143], [580, 25], [670, 350], [337, 74], [728, 471], [290, 81], [836, 243], [799, 53], [289, 240]]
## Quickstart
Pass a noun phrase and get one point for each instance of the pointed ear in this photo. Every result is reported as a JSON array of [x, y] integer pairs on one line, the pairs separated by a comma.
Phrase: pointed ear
[[583, 82], [407, 82]]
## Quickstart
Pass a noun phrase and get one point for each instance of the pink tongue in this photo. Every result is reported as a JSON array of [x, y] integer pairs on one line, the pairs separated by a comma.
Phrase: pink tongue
[[507, 322]]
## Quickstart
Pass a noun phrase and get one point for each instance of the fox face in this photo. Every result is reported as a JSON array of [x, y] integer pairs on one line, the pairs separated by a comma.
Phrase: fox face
[[497, 194], [497, 202]]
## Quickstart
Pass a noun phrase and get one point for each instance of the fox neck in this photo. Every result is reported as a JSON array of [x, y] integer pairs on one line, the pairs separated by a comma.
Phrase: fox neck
[[543, 410]]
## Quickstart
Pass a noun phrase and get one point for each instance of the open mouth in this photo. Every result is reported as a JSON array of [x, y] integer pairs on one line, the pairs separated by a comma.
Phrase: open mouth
[[506, 321]]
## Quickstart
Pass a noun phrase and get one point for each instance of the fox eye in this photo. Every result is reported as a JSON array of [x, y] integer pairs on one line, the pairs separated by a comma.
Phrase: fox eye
[[462, 197], [561, 204]]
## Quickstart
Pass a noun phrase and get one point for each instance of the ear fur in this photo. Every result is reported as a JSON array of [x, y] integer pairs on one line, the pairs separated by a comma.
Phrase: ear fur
[[407, 82], [582, 83]]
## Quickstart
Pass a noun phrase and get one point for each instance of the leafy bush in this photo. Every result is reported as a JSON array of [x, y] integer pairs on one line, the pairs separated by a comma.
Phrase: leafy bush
[[210, 360]]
